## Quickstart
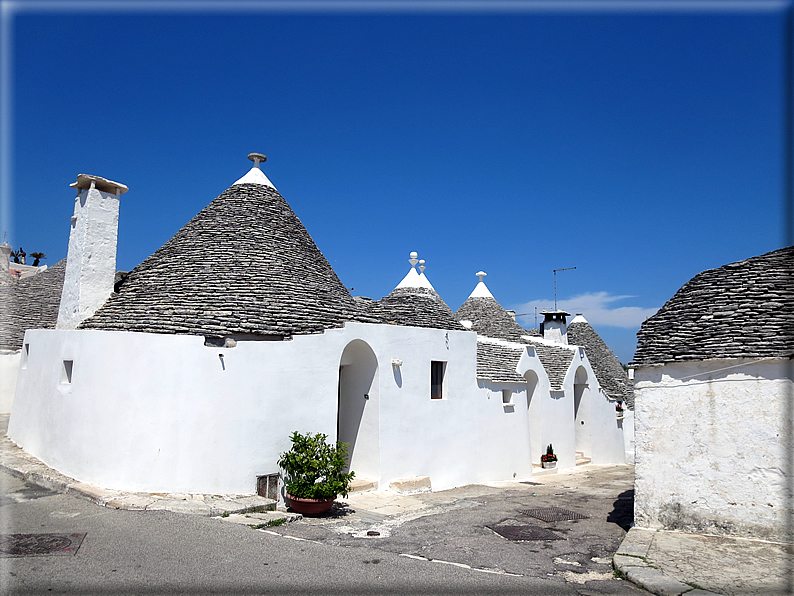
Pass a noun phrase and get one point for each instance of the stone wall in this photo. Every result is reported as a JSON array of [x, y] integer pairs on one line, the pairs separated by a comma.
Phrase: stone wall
[[712, 453]]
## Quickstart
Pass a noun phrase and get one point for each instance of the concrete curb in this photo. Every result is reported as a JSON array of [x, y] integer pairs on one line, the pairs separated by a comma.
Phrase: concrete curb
[[23, 465], [631, 559]]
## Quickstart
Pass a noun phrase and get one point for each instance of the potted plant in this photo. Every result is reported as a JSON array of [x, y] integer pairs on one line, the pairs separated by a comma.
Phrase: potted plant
[[314, 473], [619, 410], [549, 460]]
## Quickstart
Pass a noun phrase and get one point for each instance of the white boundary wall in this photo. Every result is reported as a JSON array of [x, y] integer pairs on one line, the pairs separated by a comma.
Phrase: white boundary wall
[[164, 413], [711, 449], [9, 368]]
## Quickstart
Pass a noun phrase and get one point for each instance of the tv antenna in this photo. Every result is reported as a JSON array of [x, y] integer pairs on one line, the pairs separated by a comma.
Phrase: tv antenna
[[555, 283]]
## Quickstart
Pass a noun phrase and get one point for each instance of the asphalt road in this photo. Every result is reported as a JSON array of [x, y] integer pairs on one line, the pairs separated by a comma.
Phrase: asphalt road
[[446, 548]]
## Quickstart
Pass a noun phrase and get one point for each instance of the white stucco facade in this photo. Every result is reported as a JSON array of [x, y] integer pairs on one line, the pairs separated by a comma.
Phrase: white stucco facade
[[9, 367], [149, 412], [712, 449]]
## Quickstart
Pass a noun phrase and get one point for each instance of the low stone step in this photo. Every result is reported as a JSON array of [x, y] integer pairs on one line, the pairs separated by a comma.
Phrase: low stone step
[[362, 485], [538, 470], [414, 484], [581, 461]]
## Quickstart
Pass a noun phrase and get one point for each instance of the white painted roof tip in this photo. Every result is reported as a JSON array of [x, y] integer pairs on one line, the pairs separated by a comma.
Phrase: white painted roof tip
[[255, 176], [578, 319], [414, 280], [481, 291], [425, 282]]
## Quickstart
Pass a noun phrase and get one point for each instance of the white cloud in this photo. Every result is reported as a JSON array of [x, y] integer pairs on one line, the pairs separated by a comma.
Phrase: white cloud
[[595, 306]]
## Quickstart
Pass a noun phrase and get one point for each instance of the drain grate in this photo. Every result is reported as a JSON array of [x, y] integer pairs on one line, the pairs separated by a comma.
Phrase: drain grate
[[552, 514], [36, 545], [526, 533]]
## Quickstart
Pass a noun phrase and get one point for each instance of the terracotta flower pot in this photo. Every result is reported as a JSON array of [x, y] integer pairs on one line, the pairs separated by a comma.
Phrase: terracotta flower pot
[[310, 507]]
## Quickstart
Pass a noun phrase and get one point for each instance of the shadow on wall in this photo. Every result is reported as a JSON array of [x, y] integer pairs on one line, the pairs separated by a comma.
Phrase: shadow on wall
[[622, 513]]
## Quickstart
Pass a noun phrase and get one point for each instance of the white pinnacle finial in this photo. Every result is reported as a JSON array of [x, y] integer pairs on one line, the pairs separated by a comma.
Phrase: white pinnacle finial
[[422, 265], [256, 158], [481, 274], [413, 260]]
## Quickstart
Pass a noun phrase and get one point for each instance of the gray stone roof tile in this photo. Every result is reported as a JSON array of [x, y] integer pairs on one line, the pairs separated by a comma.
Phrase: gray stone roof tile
[[497, 363], [740, 310], [415, 307], [607, 368], [488, 318], [556, 361], [245, 265], [30, 303]]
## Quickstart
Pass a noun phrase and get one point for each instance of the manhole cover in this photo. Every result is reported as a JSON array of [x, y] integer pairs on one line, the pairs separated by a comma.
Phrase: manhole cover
[[552, 514], [32, 545], [526, 533]]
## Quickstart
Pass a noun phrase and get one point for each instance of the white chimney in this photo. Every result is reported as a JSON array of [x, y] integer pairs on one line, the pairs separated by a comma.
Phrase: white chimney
[[555, 325], [91, 260]]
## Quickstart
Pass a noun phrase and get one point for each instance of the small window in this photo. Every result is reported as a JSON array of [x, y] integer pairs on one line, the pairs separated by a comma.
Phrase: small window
[[507, 397], [25, 354], [437, 370], [66, 372]]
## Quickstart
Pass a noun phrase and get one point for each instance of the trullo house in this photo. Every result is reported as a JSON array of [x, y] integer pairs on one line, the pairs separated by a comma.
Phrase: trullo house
[[190, 373]]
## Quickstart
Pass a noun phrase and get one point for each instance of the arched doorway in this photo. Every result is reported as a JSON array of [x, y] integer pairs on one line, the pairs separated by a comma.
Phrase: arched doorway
[[358, 418], [581, 411], [534, 425]]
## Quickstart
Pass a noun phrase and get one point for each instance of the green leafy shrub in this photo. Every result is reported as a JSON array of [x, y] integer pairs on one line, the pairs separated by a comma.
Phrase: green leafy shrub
[[314, 468]]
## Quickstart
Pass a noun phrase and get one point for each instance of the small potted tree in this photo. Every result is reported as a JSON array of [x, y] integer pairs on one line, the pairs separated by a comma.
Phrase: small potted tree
[[314, 473], [548, 460], [619, 410]]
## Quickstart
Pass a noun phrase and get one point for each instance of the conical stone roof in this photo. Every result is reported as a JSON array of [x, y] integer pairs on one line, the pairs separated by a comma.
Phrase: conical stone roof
[[244, 266], [29, 303], [415, 307], [741, 310], [487, 316], [607, 368]]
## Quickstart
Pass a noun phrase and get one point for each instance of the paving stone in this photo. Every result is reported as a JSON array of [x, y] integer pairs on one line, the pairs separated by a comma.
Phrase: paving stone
[[132, 502], [655, 581], [180, 506], [622, 561], [636, 543]]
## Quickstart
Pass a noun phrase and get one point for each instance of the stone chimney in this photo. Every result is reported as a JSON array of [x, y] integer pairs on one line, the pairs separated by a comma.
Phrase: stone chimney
[[5, 256], [555, 325], [91, 260]]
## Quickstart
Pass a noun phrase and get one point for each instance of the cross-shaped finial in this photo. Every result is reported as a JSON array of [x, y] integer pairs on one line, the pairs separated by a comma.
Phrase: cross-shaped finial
[[481, 274], [256, 158]]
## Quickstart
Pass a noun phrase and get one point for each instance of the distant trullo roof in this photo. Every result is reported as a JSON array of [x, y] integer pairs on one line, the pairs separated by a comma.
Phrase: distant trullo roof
[[741, 310], [487, 316], [244, 266], [29, 303], [607, 368], [415, 303]]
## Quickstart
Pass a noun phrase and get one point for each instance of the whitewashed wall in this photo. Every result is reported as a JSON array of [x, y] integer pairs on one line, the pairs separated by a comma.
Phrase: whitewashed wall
[[710, 447], [9, 365], [147, 412], [150, 412]]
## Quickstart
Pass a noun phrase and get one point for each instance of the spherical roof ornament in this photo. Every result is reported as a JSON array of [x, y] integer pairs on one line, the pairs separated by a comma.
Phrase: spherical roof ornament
[[413, 260]]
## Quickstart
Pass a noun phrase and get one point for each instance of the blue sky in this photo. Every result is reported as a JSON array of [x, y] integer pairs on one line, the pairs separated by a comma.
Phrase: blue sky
[[639, 146]]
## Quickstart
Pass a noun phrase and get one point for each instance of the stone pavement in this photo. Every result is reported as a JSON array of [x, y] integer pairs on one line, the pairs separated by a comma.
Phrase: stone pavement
[[673, 563], [664, 563]]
